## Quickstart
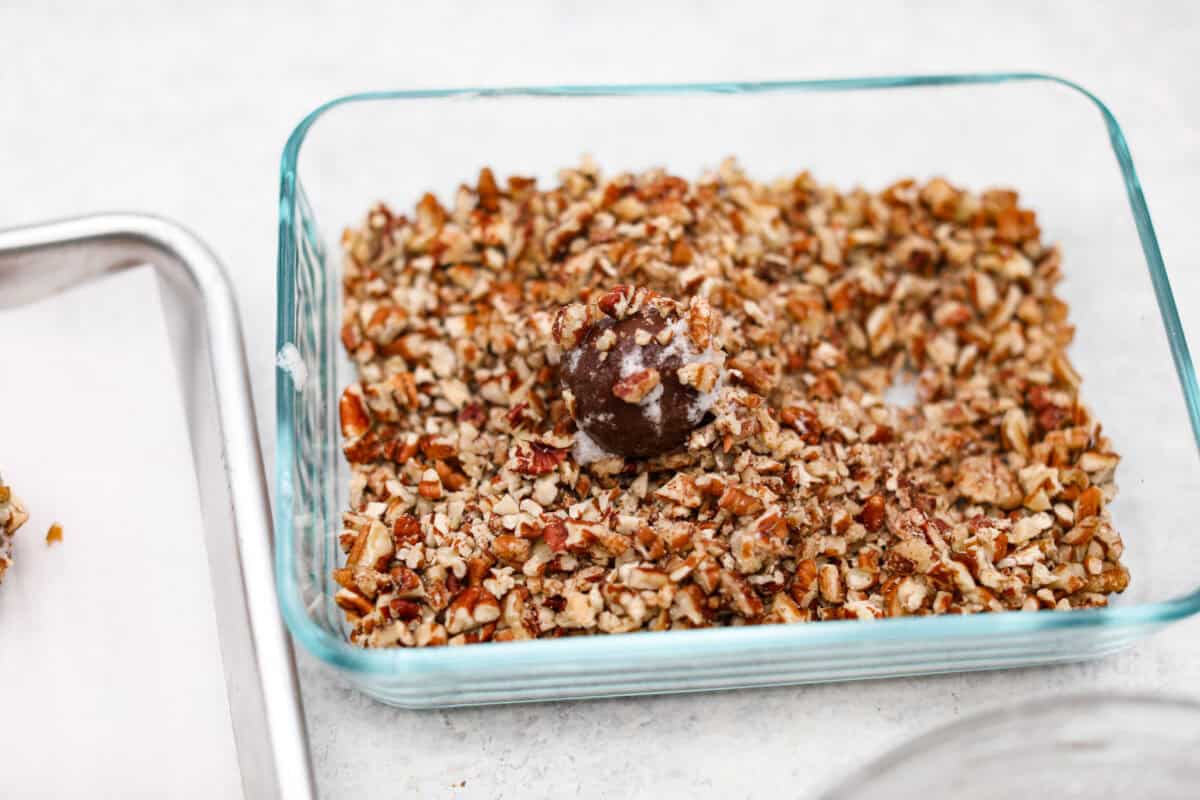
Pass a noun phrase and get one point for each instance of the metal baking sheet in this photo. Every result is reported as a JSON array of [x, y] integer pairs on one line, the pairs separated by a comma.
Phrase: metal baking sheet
[[145, 655]]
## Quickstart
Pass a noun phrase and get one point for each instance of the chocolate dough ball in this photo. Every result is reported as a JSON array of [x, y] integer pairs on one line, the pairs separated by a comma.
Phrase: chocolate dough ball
[[628, 396]]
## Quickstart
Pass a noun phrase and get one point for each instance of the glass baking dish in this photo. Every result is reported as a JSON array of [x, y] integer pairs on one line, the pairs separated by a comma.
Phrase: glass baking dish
[[1099, 746], [1047, 137]]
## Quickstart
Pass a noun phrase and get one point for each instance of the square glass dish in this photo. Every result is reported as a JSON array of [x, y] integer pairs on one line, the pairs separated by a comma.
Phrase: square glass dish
[[1051, 140]]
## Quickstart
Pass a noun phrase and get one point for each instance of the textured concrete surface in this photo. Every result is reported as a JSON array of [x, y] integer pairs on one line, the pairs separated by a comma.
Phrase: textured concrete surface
[[183, 110]]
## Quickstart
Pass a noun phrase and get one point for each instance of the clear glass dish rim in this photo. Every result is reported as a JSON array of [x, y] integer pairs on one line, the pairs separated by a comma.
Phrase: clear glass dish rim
[[710, 641], [1029, 712]]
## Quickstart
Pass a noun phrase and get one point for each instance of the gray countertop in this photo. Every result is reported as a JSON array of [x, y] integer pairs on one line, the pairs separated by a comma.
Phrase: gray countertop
[[183, 110]]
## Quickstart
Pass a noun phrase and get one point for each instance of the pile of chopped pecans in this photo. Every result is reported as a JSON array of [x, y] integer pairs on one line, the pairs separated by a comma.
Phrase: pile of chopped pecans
[[803, 495], [12, 517]]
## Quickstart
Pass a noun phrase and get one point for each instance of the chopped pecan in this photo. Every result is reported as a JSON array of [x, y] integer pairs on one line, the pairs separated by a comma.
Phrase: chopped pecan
[[353, 411], [985, 479], [872, 516], [802, 490], [634, 388], [538, 459], [740, 502], [470, 609]]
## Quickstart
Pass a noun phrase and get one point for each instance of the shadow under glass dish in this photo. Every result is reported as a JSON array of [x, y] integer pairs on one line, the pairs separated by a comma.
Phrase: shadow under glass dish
[[1047, 138]]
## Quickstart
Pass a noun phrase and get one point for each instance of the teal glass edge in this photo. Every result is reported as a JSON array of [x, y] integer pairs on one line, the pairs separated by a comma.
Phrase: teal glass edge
[[713, 641]]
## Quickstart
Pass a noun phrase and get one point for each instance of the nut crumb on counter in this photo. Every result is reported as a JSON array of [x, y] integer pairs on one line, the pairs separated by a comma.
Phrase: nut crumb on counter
[[12, 517], [643, 403]]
